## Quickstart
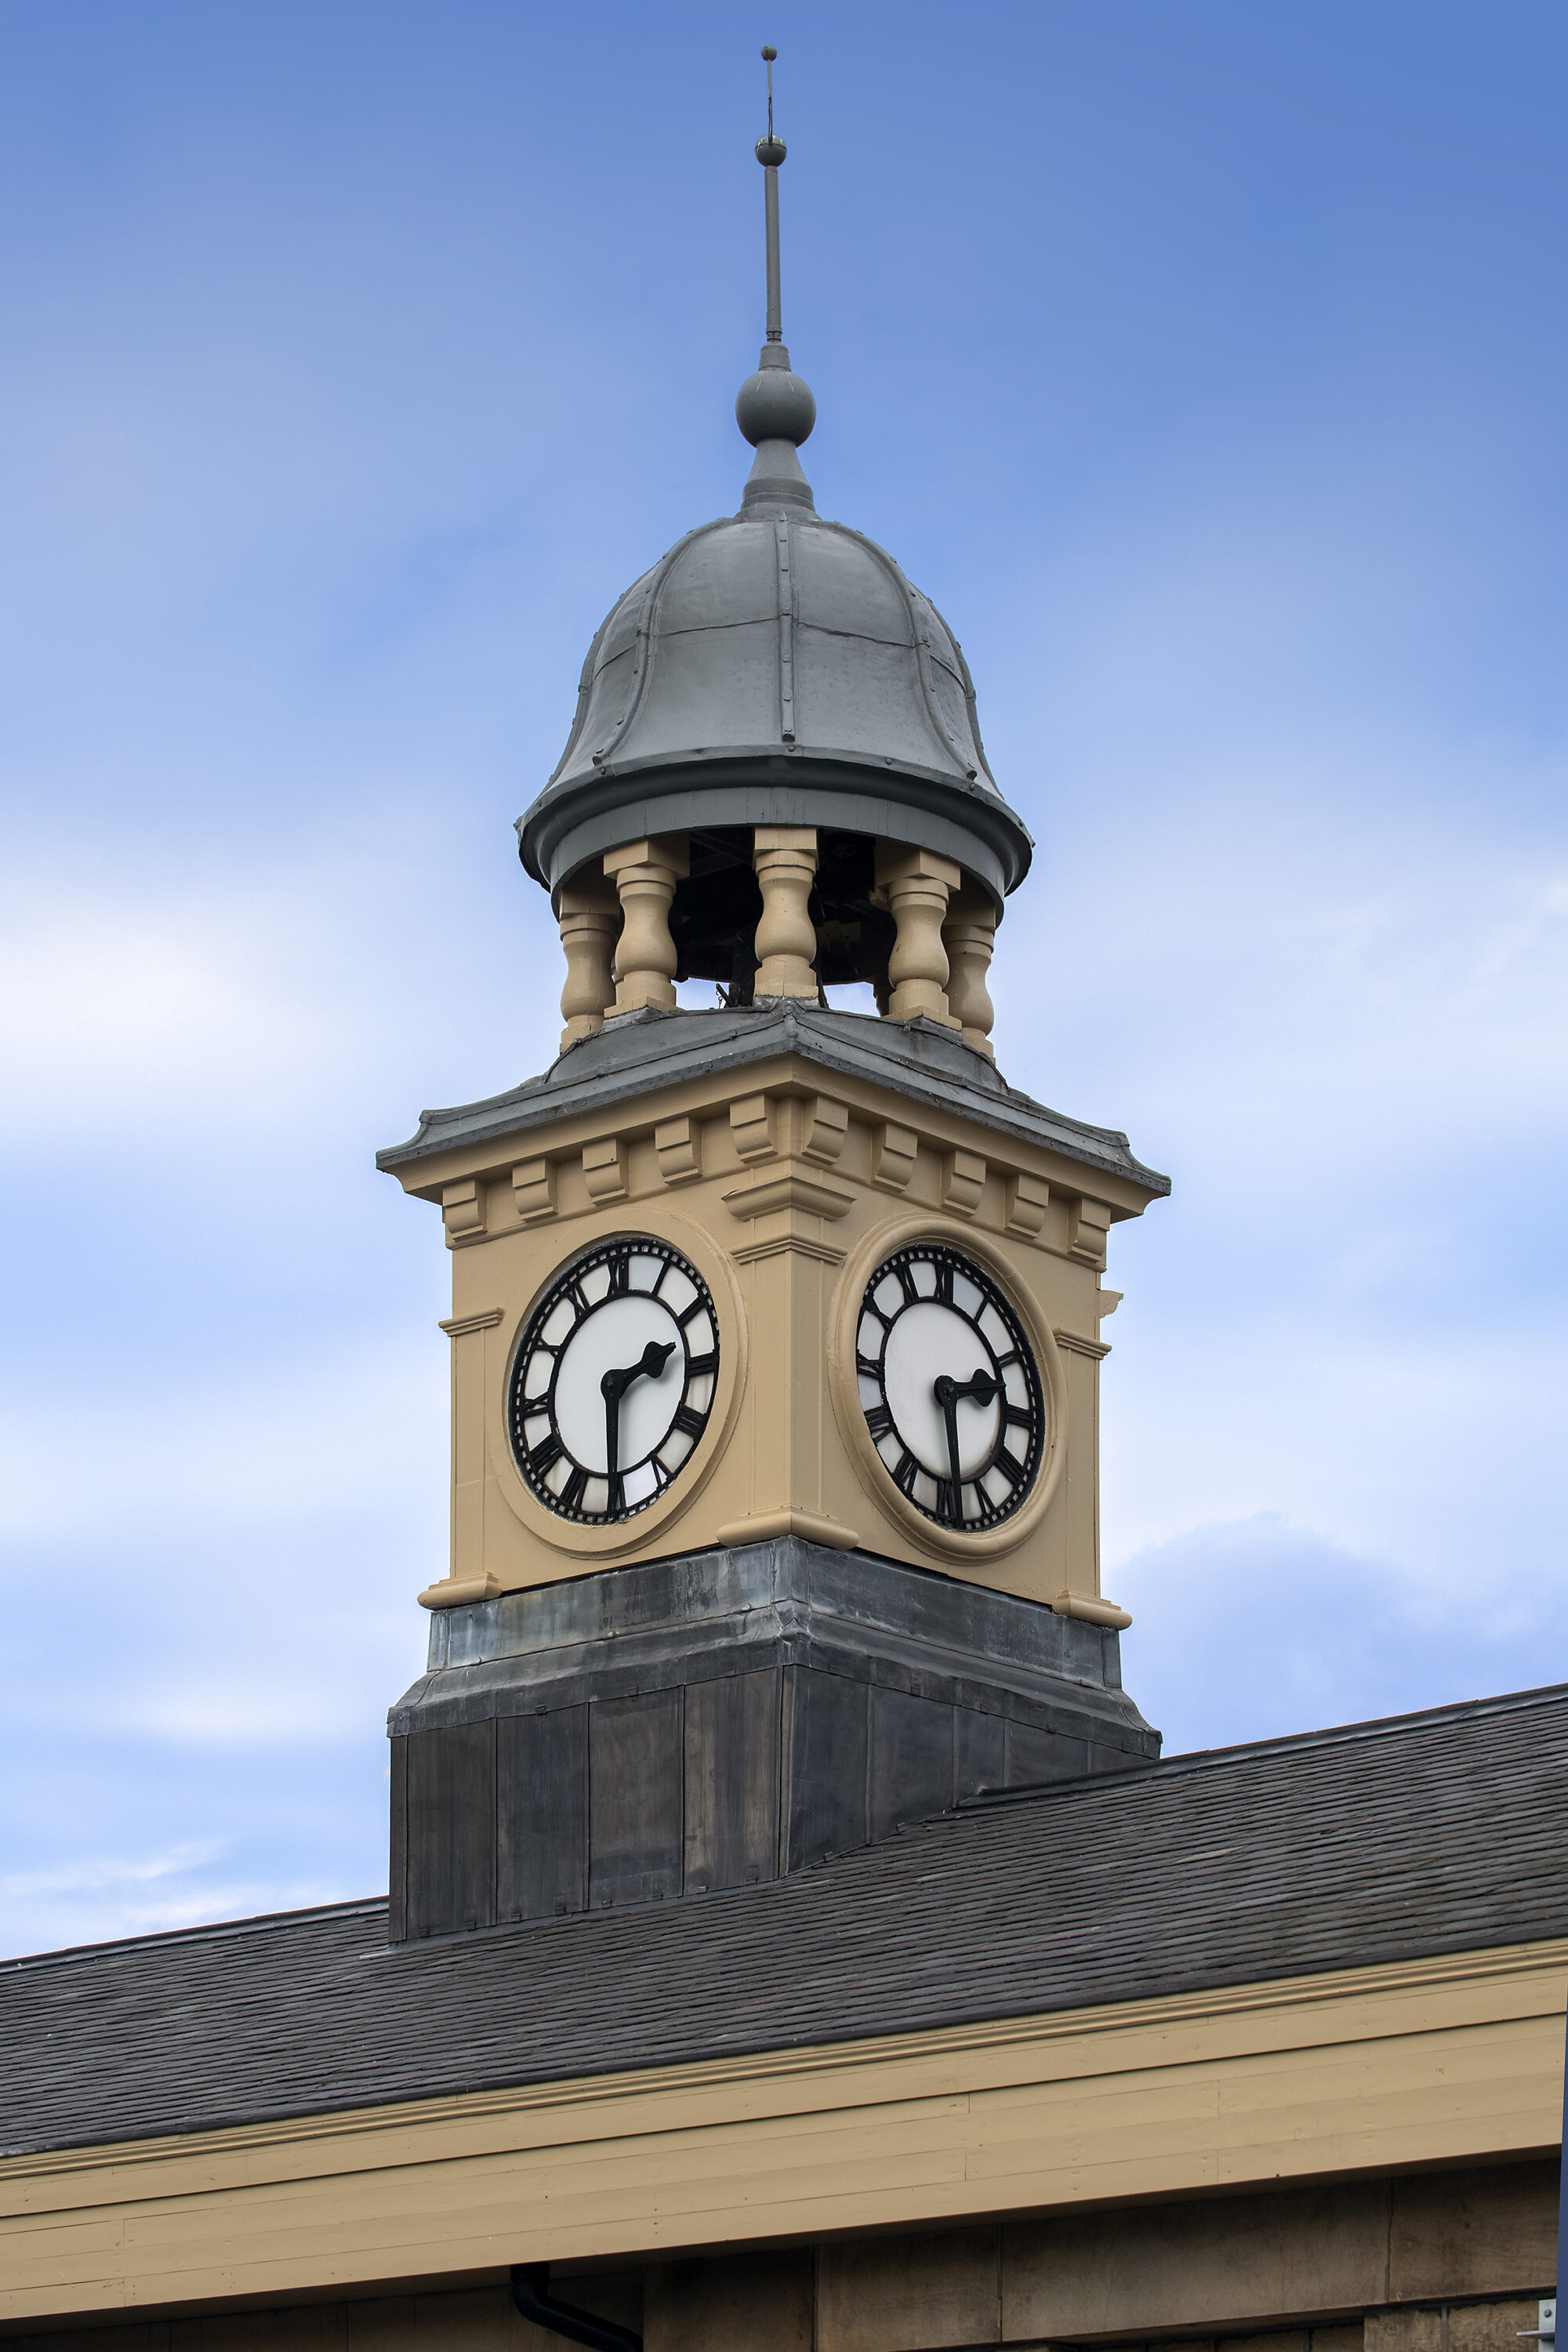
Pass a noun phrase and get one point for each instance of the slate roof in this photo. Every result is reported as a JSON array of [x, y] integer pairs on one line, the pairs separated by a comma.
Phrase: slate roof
[[1428, 1833], [631, 1056]]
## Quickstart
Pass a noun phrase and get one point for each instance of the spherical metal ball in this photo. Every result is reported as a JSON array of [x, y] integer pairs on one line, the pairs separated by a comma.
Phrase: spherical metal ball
[[770, 54], [770, 152], [775, 407]]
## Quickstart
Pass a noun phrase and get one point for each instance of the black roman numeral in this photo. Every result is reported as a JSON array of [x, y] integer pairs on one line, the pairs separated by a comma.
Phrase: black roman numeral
[[548, 1452], [868, 1367], [689, 1423], [880, 1421], [617, 1496], [697, 1365], [908, 1471], [1012, 1471], [579, 1297], [948, 1508], [620, 1274], [572, 1492], [944, 1283], [695, 1308], [1018, 1416], [907, 1284]]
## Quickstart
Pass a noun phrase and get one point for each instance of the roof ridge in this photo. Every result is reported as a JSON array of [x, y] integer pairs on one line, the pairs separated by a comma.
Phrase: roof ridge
[[1204, 1760]]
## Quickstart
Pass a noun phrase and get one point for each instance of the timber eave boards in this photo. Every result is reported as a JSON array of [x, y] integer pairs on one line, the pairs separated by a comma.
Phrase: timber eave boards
[[1445, 2059]]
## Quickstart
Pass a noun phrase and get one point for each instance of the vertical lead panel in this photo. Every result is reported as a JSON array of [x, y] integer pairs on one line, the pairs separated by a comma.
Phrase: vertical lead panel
[[634, 1797], [397, 1875], [542, 1813], [451, 1816], [732, 1780], [1034, 1756], [979, 1751], [825, 1747], [911, 1759]]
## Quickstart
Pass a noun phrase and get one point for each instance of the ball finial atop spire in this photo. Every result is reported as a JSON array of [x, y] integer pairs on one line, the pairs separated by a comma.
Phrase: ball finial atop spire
[[770, 152]]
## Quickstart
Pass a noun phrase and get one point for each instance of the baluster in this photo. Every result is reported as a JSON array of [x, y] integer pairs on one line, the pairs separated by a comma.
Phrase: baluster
[[645, 874], [785, 857]]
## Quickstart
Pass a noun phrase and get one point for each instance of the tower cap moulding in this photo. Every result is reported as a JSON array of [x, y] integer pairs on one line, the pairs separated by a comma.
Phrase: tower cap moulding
[[774, 668]]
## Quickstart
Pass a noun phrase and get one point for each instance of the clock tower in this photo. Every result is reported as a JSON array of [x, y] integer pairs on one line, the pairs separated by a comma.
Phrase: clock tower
[[775, 1327]]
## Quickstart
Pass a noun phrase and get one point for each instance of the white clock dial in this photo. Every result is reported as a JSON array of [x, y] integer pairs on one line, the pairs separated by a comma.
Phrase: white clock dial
[[950, 1388], [613, 1381]]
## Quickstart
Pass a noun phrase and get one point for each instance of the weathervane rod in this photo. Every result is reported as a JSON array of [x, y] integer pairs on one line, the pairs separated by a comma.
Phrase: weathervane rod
[[771, 152]]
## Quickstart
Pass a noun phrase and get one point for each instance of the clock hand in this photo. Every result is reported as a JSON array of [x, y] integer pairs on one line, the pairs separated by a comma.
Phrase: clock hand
[[949, 1416], [612, 1388], [947, 1393], [654, 1358]]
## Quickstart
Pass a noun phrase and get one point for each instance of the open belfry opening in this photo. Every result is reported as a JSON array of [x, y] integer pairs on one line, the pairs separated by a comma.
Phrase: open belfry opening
[[795, 1938]]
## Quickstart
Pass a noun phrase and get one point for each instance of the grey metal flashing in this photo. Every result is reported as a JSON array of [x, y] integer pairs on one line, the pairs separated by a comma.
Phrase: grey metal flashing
[[633, 1056], [785, 1603], [1442, 1833], [1334, 1736], [662, 1730], [836, 790], [504, 1687]]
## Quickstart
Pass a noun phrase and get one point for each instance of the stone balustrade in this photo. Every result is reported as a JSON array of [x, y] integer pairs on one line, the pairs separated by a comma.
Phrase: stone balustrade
[[621, 956]]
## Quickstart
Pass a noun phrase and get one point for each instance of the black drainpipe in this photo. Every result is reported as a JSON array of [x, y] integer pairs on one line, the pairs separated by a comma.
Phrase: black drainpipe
[[531, 2292]]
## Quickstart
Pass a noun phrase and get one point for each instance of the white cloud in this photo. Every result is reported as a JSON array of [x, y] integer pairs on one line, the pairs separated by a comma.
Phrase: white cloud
[[301, 1433], [1253, 1628], [121, 1004], [97, 1898]]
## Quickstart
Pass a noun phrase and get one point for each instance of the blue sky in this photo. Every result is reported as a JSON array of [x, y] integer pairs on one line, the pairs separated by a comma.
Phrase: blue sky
[[1206, 363]]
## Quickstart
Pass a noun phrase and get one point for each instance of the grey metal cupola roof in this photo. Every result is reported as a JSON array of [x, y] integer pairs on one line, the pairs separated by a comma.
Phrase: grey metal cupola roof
[[775, 669]]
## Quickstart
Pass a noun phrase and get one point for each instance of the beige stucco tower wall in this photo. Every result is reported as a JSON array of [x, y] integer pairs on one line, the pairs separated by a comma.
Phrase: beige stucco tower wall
[[784, 1154]]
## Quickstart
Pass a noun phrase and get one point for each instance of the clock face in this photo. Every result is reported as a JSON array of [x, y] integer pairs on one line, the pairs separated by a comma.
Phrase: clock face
[[950, 1388], [613, 1381]]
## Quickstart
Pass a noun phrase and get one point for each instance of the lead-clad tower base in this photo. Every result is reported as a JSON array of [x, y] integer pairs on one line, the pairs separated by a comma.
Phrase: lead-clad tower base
[[685, 1725]]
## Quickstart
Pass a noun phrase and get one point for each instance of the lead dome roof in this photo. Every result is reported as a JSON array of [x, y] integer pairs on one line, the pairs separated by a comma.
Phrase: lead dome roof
[[774, 668]]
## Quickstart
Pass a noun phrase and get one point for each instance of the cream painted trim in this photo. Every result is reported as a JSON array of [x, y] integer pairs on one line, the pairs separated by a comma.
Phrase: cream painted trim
[[453, 1591], [789, 1078], [766, 1192], [786, 1246], [1447, 2060], [763, 1526], [1093, 1612], [1095, 1350], [458, 1327]]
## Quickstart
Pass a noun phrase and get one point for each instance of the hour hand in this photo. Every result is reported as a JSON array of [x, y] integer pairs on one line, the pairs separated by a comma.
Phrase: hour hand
[[653, 1360], [612, 1388]]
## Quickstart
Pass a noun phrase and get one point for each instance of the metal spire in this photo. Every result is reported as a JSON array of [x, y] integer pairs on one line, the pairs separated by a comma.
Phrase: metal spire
[[775, 408], [771, 152]]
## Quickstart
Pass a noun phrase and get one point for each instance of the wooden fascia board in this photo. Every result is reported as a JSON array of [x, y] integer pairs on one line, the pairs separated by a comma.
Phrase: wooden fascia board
[[1450, 2060]]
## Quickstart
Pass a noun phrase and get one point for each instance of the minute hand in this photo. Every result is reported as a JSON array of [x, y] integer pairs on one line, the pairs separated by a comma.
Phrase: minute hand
[[947, 1393]]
